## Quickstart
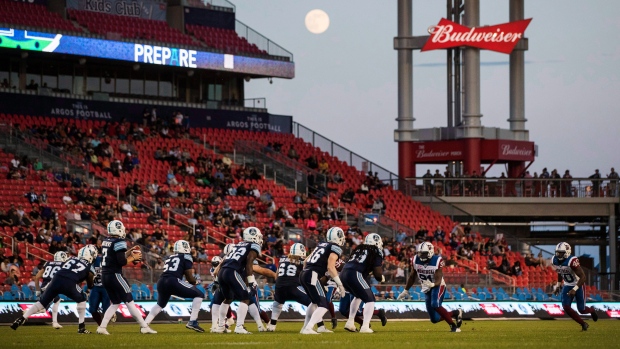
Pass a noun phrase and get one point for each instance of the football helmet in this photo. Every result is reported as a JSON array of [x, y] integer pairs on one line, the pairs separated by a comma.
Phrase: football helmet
[[228, 248], [88, 252], [181, 246], [374, 240], [253, 234], [298, 250], [215, 261], [116, 228], [562, 251], [61, 256], [426, 251], [336, 236]]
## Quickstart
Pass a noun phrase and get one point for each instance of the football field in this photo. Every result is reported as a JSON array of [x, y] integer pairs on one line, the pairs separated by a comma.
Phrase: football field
[[418, 334]]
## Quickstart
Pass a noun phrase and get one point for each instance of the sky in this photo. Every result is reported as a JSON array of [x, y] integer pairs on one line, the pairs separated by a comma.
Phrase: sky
[[345, 86]]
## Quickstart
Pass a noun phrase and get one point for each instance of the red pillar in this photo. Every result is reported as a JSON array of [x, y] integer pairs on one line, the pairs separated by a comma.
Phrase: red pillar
[[471, 161], [406, 165]]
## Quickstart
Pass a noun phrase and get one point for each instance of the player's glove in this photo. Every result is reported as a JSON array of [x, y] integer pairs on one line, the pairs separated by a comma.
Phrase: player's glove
[[403, 295], [556, 290], [252, 282], [215, 286], [37, 293], [428, 284]]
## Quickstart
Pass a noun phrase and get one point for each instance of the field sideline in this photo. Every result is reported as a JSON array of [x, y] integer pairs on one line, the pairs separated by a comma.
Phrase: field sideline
[[403, 334]]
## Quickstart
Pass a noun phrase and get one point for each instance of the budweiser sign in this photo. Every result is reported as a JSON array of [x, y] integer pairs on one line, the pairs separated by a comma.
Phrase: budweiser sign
[[500, 38], [515, 150]]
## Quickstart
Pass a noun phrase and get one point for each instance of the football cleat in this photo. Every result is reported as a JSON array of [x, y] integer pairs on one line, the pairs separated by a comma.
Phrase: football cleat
[[323, 329], [230, 321], [147, 330], [584, 327], [241, 330], [103, 330], [82, 329], [594, 316], [18, 322], [366, 330], [381, 316], [56, 325], [308, 331], [219, 329], [271, 328], [454, 328], [350, 328], [459, 317], [334, 323], [193, 325]]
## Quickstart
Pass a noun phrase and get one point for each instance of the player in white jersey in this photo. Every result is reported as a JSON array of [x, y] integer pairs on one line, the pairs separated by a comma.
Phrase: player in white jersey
[[570, 273], [429, 268]]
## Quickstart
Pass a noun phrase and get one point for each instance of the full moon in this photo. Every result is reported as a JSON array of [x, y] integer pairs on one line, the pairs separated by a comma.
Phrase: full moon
[[317, 21]]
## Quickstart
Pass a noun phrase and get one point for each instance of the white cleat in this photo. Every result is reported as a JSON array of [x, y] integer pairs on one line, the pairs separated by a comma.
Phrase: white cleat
[[308, 331], [366, 330], [218, 329], [350, 328], [263, 329], [147, 330], [323, 329], [56, 325], [230, 321], [271, 328], [241, 330], [103, 330]]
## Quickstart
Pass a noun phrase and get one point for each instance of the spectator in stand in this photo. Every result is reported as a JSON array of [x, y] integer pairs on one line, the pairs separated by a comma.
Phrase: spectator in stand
[[427, 182], [324, 166], [567, 184], [20, 235], [363, 188], [377, 206], [613, 183], [401, 236], [15, 162], [292, 153], [32, 196], [452, 261], [348, 196], [312, 162], [13, 216], [516, 269], [12, 278], [596, 183], [439, 235], [504, 267], [420, 236]]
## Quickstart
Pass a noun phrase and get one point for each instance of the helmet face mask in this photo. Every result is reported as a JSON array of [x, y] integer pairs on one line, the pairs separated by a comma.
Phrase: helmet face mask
[[116, 228], [335, 235], [253, 234], [426, 251], [215, 261], [182, 246]]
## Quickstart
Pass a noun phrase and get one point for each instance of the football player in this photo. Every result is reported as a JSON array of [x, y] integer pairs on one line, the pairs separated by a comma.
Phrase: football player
[[171, 283], [570, 273], [98, 294], [218, 297], [67, 281], [323, 259], [115, 256], [366, 258], [46, 274], [429, 268], [238, 265], [345, 308]]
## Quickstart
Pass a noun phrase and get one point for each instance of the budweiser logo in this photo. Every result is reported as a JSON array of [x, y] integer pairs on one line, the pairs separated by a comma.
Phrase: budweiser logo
[[421, 154], [500, 38], [508, 150]]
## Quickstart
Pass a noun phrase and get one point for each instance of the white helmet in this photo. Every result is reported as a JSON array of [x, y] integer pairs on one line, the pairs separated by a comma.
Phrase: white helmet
[[88, 252], [215, 261], [116, 228], [374, 240], [335, 235], [426, 251], [562, 251], [253, 234], [228, 248], [298, 250], [181, 246], [61, 256]]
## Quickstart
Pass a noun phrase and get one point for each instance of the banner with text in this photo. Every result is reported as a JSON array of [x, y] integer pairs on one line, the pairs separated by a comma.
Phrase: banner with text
[[147, 9]]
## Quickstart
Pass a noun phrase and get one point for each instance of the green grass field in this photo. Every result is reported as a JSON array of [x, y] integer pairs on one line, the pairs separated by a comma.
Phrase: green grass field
[[415, 334]]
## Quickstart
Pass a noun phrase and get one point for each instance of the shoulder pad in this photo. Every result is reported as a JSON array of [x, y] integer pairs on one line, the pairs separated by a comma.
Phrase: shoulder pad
[[337, 250], [256, 247], [188, 257], [120, 245]]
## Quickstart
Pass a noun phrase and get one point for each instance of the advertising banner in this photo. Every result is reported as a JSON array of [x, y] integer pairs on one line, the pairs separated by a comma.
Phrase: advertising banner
[[180, 310], [146, 9], [508, 150], [141, 53], [111, 111], [437, 151]]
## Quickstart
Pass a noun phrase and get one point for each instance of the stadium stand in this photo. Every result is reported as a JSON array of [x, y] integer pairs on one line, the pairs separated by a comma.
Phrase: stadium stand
[[34, 15], [226, 40]]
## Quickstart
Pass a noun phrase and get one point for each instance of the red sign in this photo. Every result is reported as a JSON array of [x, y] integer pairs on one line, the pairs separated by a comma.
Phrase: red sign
[[613, 313], [500, 38], [554, 309], [438, 151], [491, 309], [44, 314], [125, 312], [507, 150]]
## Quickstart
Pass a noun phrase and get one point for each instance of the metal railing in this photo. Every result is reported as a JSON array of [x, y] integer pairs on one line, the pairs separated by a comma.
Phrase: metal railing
[[218, 5], [256, 103], [263, 43]]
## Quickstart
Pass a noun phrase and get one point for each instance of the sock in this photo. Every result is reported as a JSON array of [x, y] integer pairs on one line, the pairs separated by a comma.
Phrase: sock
[[35, 308], [358, 319], [316, 317], [215, 315], [587, 310], [573, 314], [81, 310], [263, 315], [320, 324], [368, 310], [375, 312], [241, 312], [108, 315], [156, 309], [445, 315], [222, 316], [55, 307], [196, 303], [97, 316], [254, 313], [276, 310], [353, 307], [309, 311], [135, 313], [330, 307], [455, 313]]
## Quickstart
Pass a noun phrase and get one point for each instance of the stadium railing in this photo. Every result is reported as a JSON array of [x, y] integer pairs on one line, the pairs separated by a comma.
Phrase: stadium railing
[[261, 41]]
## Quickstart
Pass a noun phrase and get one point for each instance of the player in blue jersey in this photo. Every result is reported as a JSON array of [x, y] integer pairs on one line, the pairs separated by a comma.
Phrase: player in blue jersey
[[429, 268], [171, 283], [323, 259], [572, 276], [366, 258], [67, 281], [98, 294], [218, 297], [45, 275], [237, 267], [115, 256]]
